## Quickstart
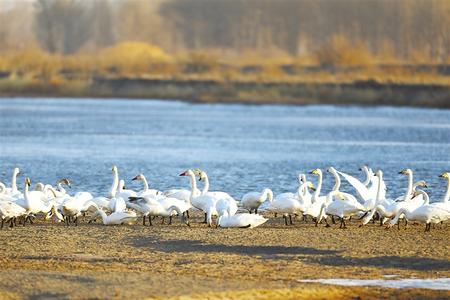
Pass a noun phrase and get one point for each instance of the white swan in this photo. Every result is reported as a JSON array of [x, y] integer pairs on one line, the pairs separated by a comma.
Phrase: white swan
[[116, 218], [388, 208], [34, 202], [146, 191], [183, 194], [244, 220], [251, 201], [206, 203], [347, 206], [445, 203], [365, 193], [9, 211], [427, 213], [75, 207], [317, 200], [409, 191], [13, 190], [111, 202], [150, 207], [224, 201]]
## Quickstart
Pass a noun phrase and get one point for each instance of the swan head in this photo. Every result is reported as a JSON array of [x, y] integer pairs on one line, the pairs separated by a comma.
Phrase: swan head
[[445, 175], [316, 172], [65, 181], [301, 178], [405, 172], [379, 174], [114, 169], [16, 171], [138, 177], [364, 168], [27, 182], [187, 173], [310, 185], [331, 170], [421, 183]]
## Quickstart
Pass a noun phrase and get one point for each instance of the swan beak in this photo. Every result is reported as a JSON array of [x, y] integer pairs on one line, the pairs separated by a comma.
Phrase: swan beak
[[136, 177], [183, 174]]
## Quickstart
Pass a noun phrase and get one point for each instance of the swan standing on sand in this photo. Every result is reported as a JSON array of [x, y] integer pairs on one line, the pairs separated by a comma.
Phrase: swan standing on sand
[[34, 202], [244, 220], [290, 206], [205, 203], [427, 213], [251, 201], [317, 200]]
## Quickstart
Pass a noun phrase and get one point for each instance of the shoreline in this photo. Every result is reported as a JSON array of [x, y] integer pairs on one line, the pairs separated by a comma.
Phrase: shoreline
[[359, 93], [176, 261]]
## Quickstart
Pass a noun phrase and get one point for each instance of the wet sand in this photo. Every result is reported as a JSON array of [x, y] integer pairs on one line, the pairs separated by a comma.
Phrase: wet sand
[[46, 260]]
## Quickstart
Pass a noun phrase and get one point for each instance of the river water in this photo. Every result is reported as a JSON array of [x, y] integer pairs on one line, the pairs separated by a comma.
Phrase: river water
[[242, 147]]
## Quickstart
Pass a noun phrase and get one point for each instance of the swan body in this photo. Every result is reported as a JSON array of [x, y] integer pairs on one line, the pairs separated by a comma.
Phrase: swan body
[[244, 220], [251, 201], [34, 202], [116, 218], [427, 213]]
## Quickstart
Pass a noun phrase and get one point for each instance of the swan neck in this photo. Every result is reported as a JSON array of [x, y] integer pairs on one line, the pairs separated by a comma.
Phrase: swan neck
[[319, 186], [144, 180], [367, 181], [426, 198], [410, 185], [193, 185], [377, 199], [337, 183], [2, 188], [447, 193], [113, 190], [14, 182], [206, 185]]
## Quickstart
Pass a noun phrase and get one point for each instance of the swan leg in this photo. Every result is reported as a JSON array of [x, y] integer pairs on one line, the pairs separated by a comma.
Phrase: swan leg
[[406, 223], [332, 220], [187, 214], [398, 225], [163, 221], [170, 220], [285, 220], [326, 222], [343, 222], [290, 220], [150, 220], [205, 221], [3, 223], [143, 220], [256, 211], [76, 221]]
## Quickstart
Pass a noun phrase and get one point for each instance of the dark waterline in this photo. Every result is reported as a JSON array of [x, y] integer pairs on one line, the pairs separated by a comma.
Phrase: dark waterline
[[242, 147]]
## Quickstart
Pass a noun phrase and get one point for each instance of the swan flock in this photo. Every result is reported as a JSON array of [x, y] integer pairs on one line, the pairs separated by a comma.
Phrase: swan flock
[[309, 203]]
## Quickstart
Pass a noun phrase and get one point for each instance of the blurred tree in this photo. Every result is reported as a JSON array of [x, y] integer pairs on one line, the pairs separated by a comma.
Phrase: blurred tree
[[62, 26]]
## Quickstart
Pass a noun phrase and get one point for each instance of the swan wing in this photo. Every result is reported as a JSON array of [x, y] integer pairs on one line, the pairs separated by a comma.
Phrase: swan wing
[[360, 188]]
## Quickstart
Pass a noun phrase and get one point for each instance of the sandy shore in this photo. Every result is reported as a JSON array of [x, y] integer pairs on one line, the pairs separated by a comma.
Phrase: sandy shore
[[45, 260]]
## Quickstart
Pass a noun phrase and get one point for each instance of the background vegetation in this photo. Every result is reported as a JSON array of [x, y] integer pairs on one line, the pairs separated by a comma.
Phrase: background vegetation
[[68, 44]]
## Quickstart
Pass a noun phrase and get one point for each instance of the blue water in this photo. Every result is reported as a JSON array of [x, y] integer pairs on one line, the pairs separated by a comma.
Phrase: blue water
[[242, 148]]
